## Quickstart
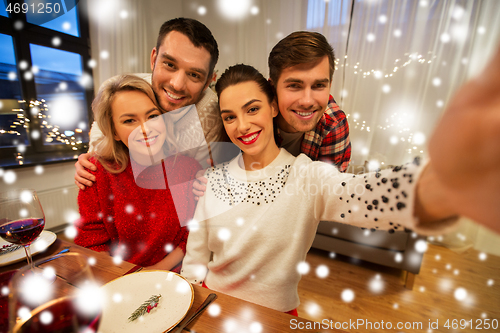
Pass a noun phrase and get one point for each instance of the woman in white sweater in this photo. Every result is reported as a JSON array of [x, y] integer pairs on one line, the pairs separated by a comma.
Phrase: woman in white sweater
[[257, 220]]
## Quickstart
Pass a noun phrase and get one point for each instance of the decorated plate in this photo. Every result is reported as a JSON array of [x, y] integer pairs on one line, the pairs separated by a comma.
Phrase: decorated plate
[[167, 295], [40, 244]]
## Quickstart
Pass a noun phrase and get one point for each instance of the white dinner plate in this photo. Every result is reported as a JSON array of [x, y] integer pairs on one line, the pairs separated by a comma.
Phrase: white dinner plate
[[40, 244], [125, 294]]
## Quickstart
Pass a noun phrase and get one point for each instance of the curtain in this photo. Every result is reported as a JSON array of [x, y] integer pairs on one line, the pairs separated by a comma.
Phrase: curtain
[[403, 62], [399, 63], [118, 34]]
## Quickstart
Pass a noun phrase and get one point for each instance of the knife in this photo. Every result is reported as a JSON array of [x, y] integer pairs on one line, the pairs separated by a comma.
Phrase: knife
[[212, 297], [134, 269]]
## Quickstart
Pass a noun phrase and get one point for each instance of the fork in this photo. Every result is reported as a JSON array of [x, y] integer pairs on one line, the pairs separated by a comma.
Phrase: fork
[[9, 248]]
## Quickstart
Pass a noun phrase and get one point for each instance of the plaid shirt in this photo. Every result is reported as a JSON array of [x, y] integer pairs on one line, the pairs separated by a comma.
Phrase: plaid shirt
[[329, 141]]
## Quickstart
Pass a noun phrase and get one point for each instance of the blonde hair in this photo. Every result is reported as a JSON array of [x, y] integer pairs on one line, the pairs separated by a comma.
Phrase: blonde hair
[[112, 154]]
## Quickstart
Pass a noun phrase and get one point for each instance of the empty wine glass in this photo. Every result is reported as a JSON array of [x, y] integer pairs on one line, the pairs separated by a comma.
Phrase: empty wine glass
[[21, 218]]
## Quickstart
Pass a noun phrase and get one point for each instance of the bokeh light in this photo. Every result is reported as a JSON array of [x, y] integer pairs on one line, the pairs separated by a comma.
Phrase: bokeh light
[[322, 271], [89, 298], [347, 295], [35, 289], [460, 294], [445, 37], [255, 327], [117, 297], [214, 310], [224, 234], [70, 232], [123, 14], [169, 248], [202, 10], [313, 309], [303, 268], [56, 41], [23, 65], [234, 9], [63, 110], [9, 177], [458, 12], [421, 246], [46, 317], [376, 285]]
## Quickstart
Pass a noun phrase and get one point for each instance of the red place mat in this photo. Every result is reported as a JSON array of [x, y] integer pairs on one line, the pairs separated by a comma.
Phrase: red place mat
[[4, 301]]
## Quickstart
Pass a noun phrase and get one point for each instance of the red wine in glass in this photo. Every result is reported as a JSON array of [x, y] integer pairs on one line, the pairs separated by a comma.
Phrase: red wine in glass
[[21, 218], [23, 231], [58, 316]]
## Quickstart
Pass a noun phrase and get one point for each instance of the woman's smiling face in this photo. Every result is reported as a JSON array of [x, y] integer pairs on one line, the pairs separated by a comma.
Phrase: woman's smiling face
[[138, 124], [248, 116]]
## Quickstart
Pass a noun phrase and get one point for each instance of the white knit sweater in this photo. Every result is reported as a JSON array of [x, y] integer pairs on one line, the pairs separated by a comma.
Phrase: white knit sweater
[[252, 229]]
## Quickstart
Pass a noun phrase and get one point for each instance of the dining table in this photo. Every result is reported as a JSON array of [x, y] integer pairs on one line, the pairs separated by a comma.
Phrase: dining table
[[234, 313]]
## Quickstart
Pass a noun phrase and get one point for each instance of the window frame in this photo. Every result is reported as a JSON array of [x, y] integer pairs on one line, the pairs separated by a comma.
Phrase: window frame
[[38, 153]]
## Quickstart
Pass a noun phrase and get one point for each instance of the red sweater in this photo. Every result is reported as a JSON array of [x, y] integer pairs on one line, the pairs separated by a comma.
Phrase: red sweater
[[138, 224]]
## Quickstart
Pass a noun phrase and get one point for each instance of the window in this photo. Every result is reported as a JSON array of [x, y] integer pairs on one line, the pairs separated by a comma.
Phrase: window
[[65, 20], [45, 81], [12, 122], [338, 12], [3, 11], [315, 14]]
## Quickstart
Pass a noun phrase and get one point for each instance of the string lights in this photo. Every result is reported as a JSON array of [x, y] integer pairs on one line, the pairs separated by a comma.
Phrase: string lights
[[53, 132], [398, 122]]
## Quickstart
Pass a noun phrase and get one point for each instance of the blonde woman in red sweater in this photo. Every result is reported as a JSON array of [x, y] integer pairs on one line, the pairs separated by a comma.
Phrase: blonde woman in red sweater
[[140, 224]]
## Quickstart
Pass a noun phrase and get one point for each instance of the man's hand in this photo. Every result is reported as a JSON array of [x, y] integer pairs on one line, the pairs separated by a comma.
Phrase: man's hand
[[83, 177], [465, 148], [199, 184]]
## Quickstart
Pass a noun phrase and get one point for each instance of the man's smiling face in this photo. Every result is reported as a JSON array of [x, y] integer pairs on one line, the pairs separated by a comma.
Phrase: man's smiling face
[[180, 71], [302, 93]]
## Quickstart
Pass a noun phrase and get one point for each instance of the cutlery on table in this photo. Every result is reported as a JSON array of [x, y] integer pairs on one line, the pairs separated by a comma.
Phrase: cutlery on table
[[13, 247], [9, 248], [66, 249], [210, 298], [134, 269]]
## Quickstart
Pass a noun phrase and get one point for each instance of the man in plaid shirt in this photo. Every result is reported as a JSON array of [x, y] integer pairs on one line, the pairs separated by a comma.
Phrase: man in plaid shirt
[[301, 68]]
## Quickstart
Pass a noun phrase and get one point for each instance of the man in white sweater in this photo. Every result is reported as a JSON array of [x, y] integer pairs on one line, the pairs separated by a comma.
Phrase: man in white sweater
[[182, 65]]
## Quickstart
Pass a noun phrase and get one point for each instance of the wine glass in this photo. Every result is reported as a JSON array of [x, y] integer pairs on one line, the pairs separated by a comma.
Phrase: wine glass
[[63, 298], [21, 218]]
